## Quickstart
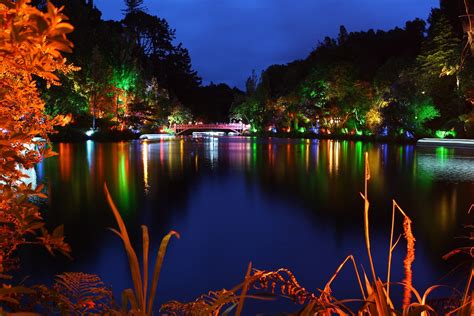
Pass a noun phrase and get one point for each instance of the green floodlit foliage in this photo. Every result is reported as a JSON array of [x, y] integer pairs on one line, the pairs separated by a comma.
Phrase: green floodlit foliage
[[406, 79], [124, 78], [315, 91], [339, 85], [445, 133], [425, 111], [422, 112], [179, 115], [118, 61]]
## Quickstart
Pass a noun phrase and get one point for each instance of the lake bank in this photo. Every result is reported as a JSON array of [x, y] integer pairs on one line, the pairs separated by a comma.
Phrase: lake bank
[[109, 135]]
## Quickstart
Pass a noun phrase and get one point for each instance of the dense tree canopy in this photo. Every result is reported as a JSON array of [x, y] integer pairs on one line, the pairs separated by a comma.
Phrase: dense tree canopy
[[406, 81], [133, 74]]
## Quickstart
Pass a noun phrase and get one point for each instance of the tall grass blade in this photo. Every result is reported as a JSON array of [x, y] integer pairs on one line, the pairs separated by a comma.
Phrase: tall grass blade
[[468, 285], [327, 287], [383, 302], [157, 269], [366, 217], [146, 246], [308, 310], [467, 307], [416, 309], [128, 297], [132, 256], [244, 290], [390, 250]]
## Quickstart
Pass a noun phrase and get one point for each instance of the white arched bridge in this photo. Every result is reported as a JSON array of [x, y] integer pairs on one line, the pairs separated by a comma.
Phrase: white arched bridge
[[237, 128]]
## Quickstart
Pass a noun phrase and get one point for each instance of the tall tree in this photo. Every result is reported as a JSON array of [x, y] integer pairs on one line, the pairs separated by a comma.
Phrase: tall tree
[[133, 6], [251, 83], [343, 35], [440, 52], [437, 71]]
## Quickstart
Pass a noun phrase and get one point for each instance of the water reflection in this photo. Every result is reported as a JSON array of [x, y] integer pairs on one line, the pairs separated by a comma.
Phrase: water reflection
[[90, 153], [65, 163], [242, 194], [315, 172], [145, 165], [444, 164]]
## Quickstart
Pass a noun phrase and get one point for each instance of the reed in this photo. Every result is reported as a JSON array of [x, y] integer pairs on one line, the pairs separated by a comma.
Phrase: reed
[[143, 294], [374, 293], [374, 297]]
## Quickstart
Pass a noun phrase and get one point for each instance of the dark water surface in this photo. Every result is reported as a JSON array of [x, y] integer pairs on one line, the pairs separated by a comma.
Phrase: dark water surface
[[274, 202]]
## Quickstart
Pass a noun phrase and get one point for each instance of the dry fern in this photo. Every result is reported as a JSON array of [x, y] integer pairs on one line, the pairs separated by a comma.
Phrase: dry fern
[[280, 283], [79, 293]]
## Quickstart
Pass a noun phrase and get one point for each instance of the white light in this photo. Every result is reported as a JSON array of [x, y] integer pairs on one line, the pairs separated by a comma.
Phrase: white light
[[455, 142], [151, 137], [90, 132]]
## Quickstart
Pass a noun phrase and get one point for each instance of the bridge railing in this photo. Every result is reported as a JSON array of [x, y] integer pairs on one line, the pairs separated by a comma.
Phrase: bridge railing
[[231, 126]]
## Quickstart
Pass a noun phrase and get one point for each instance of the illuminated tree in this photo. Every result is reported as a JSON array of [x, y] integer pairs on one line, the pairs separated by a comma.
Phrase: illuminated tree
[[124, 81], [31, 43], [179, 115], [69, 98], [152, 112], [314, 92], [373, 119], [440, 53], [93, 83], [314, 96], [284, 113], [409, 114], [251, 111], [422, 111]]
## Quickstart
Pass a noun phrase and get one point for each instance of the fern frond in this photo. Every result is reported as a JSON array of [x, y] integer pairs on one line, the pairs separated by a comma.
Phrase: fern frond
[[79, 293]]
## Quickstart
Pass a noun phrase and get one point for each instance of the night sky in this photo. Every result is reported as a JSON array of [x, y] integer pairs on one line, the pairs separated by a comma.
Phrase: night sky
[[229, 38]]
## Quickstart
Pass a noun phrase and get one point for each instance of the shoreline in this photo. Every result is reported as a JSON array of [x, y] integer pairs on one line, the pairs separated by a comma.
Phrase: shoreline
[[128, 136], [78, 135]]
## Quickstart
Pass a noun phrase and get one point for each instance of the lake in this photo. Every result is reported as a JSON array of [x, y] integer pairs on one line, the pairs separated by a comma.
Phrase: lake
[[291, 203]]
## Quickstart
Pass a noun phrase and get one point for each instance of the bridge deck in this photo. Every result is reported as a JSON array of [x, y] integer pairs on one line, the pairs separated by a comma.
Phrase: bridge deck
[[235, 127]]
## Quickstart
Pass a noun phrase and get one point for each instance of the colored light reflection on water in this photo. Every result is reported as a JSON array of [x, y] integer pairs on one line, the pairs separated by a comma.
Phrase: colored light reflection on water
[[123, 183], [275, 202], [90, 153], [145, 165]]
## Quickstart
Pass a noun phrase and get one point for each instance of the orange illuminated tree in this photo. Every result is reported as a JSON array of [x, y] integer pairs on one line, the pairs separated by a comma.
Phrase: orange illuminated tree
[[31, 46]]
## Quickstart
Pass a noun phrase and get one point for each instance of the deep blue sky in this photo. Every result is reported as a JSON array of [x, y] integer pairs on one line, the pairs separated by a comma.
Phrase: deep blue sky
[[229, 38]]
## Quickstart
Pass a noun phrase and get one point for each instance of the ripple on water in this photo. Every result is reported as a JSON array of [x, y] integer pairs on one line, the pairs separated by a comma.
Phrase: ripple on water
[[447, 168]]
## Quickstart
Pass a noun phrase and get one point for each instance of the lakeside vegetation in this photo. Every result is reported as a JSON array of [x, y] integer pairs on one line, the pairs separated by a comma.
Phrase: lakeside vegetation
[[411, 82], [407, 82], [32, 44]]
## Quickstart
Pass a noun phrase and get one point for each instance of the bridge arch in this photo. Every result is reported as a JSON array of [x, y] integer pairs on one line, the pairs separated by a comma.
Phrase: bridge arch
[[238, 128]]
